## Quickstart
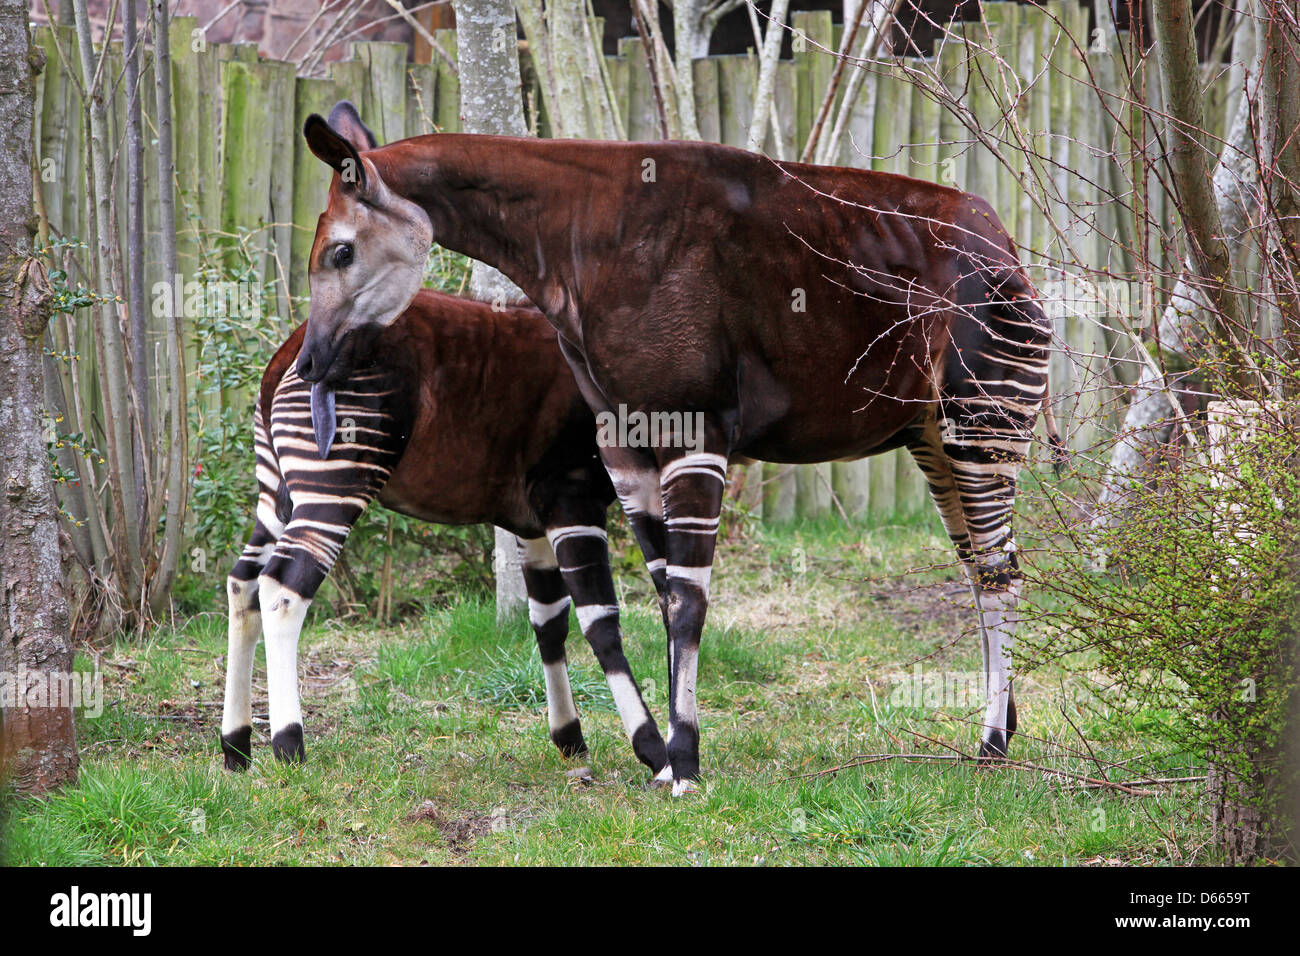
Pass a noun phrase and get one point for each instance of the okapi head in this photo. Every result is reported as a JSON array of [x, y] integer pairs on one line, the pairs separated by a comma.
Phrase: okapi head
[[357, 286], [357, 289]]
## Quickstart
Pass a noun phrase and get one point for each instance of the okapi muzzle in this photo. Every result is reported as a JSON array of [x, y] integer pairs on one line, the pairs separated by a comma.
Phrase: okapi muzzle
[[353, 354], [355, 293]]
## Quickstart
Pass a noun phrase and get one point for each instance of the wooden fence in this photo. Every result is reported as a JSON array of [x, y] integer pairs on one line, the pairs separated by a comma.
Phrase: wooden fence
[[242, 165]]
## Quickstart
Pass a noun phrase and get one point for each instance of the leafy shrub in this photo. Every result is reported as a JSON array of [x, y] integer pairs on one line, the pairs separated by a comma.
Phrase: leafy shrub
[[1192, 620]]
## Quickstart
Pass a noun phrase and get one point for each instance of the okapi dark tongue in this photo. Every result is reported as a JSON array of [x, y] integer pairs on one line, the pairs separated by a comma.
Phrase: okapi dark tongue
[[323, 421]]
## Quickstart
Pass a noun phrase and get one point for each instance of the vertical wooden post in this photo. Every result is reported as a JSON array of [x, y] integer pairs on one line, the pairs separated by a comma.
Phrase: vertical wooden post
[[707, 104], [421, 83], [448, 115], [385, 72], [311, 177], [642, 120]]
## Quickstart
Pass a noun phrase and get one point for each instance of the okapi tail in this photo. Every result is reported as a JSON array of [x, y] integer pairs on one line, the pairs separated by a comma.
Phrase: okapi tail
[[1060, 451]]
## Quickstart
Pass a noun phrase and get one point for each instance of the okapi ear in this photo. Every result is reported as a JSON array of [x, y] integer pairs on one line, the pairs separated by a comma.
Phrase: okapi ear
[[335, 151], [346, 121]]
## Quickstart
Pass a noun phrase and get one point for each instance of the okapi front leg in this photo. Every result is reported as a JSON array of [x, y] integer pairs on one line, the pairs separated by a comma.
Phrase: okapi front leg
[[303, 557], [548, 612], [692, 495], [635, 476], [582, 550], [243, 630]]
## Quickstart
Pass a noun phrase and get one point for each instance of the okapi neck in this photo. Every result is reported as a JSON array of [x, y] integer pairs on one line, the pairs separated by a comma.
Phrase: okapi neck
[[530, 208]]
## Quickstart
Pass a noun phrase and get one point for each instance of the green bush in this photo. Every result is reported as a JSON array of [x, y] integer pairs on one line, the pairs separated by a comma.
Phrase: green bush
[[1192, 618]]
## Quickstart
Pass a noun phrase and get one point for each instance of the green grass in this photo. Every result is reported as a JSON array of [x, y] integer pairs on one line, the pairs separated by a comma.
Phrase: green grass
[[427, 741]]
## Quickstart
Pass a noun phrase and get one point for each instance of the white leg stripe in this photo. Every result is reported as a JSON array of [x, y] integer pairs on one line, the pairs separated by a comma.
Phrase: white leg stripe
[[266, 515], [539, 613], [559, 696], [283, 612], [700, 464], [588, 614], [537, 553], [556, 535], [628, 702], [638, 491], [684, 698], [698, 576]]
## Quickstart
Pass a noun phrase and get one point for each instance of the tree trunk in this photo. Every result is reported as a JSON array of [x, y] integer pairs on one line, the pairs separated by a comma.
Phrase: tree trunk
[[1208, 249], [110, 349], [38, 750], [490, 102], [1190, 315], [138, 324], [688, 38], [766, 75], [177, 462], [1279, 99]]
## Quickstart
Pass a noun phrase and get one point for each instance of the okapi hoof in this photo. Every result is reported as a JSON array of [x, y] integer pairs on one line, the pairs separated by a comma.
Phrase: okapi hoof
[[685, 788], [237, 746], [994, 747], [569, 739], [662, 779], [287, 744], [649, 747]]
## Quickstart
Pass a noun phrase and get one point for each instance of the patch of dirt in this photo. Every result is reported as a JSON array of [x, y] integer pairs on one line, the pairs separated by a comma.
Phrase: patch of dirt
[[459, 832], [946, 604]]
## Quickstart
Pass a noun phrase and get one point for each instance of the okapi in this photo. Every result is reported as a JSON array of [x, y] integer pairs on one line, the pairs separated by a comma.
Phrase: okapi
[[808, 313], [455, 413]]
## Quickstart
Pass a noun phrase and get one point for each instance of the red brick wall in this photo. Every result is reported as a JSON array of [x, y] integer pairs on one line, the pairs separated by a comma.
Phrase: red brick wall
[[273, 25]]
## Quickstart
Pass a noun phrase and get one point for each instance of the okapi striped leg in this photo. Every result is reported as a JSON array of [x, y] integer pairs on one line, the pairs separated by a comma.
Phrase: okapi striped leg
[[692, 488], [245, 615], [283, 611], [243, 632], [972, 475], [635, 477], [548, 612], [303, 557], [582, 551], [636, 482]]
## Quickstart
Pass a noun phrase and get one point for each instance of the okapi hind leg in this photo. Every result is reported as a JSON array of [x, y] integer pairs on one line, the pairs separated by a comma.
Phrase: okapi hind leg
[[243, 631], [975, 500], [996, 607]]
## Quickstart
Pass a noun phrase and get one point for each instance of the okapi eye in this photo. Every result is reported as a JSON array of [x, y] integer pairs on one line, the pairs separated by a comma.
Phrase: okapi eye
[[343, 255]]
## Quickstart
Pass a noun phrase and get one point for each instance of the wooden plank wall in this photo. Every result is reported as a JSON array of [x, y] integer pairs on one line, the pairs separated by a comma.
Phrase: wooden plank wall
[[243, 173]]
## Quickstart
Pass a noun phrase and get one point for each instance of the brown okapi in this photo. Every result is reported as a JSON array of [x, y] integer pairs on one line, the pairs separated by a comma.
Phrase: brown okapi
[[457, 413], [807, 313]]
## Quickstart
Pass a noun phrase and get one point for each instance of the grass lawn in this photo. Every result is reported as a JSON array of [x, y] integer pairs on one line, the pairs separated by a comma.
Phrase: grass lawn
[[426, 741]]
